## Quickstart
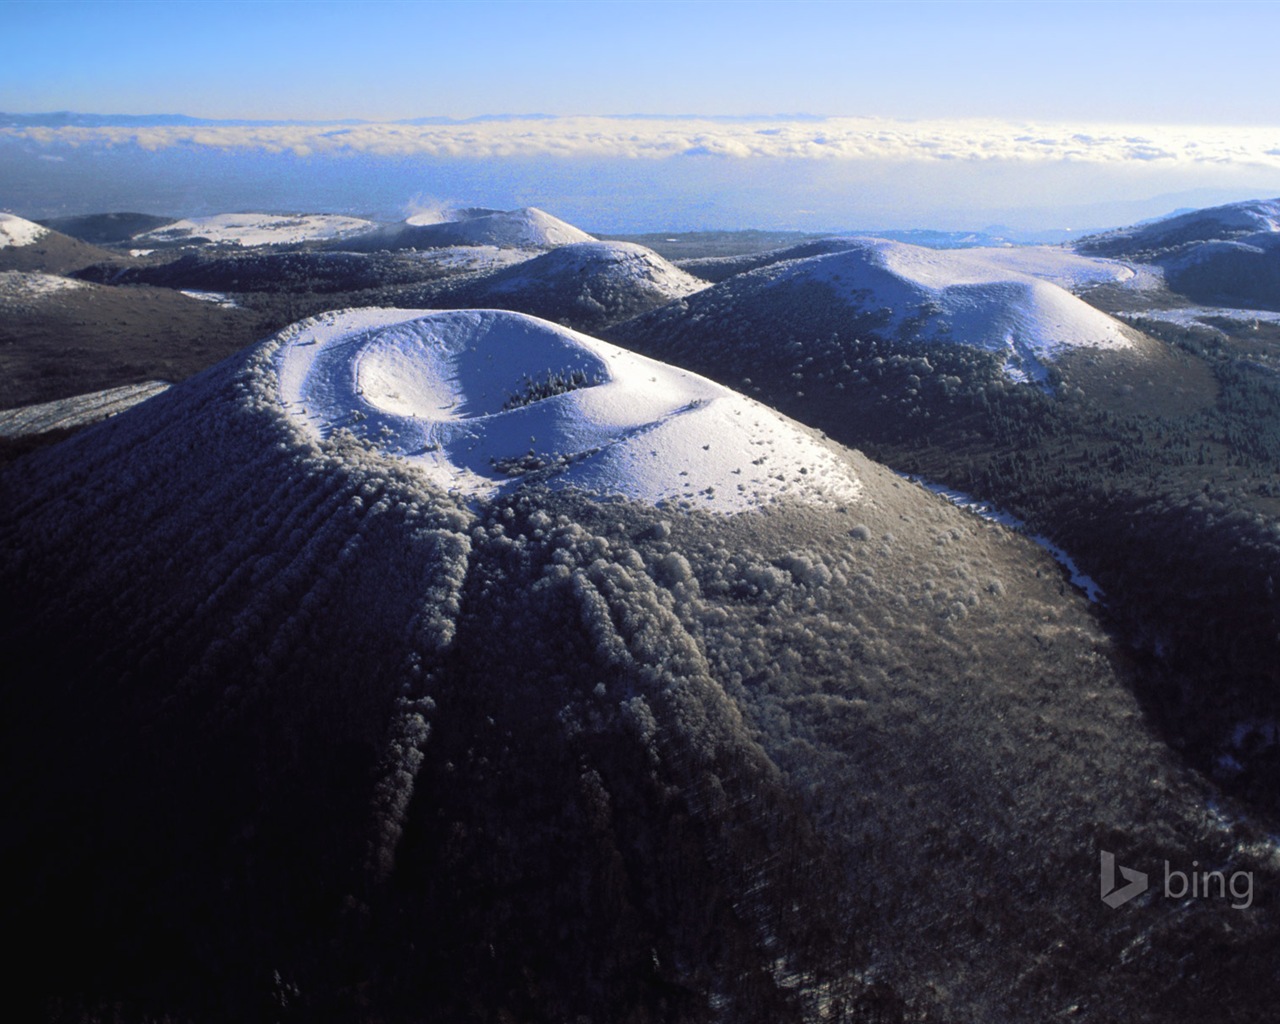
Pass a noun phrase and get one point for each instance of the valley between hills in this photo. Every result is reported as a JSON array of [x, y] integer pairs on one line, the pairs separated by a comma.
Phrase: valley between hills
[[477, 619]]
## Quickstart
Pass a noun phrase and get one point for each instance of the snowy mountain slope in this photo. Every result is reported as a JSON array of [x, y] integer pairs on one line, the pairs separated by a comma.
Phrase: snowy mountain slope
[[1226, 255], [1058, 265], [254, 229], [77, 411], [1051, 263], [993, 299], [527, 228], [1234, 221], [107, 228], [325, 717], [585, 284], [15, 231], [61, 337], [27, 246], [453, 394]]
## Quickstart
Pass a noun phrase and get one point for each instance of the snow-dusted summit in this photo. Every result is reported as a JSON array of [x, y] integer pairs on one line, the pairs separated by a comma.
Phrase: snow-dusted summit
[[482, 400], [1004, 300], [1222, 256], [1253, 220], [1010, 301], [586, 284], [527, 228], [16, 231], [621, 265]]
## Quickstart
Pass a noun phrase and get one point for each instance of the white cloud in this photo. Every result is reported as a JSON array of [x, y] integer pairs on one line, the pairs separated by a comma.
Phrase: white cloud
[[832, 139]]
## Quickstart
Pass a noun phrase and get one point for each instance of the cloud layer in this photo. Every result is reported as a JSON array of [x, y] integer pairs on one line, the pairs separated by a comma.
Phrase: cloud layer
[[838, 139]]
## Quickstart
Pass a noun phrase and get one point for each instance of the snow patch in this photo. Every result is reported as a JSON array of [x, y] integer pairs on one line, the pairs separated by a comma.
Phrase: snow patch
[[217, 298], [17, 231], [437, 390]]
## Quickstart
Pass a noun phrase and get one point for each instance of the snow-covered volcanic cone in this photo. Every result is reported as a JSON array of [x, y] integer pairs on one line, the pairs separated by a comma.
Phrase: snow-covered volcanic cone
[[283, 722], [587, 284], [1013, 302], [480, 401], [527, 228], [982, 298], [1047, 262]]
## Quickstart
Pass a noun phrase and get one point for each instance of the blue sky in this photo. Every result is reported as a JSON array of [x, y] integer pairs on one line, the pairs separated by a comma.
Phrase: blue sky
[[1161, 62], [937, 114]]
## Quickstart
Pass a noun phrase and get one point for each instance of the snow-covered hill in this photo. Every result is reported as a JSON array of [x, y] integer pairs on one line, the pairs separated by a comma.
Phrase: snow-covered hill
[[296, 725], [462, 396], [527, 228], [16, 231], [620, 265], [1224, 255], [1239, 221], [1051, 263], [27, 246], [251, 229], [586, 284], [1012, 301]]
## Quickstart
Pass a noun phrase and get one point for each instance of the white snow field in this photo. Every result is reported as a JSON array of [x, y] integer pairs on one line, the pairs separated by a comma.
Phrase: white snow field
[[430, 387], [527, 228], [250, 229], [18, 231], [78, 411], [998, 299], [1051, 263]]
